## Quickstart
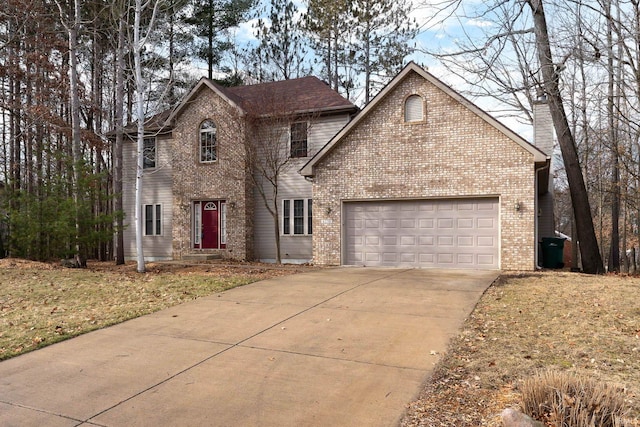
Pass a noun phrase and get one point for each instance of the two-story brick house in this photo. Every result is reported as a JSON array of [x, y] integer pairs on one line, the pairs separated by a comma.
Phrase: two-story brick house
[[200, 196], [421, 177]]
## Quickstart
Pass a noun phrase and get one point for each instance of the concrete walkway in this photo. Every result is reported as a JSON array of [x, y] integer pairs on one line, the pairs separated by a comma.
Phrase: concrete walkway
[[334, 347]]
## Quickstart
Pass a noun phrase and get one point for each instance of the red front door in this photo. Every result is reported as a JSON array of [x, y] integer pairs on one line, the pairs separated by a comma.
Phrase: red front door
[[210, 225]]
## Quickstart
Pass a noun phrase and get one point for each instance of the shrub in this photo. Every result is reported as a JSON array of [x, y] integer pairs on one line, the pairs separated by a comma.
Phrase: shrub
[[565, 400]]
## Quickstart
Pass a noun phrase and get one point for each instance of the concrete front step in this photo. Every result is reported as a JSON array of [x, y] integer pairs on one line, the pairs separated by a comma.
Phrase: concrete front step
[[200, 257]]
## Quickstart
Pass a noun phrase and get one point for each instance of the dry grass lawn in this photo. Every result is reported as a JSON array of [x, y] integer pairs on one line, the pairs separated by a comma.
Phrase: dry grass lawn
[[41, 304], [587, 325]]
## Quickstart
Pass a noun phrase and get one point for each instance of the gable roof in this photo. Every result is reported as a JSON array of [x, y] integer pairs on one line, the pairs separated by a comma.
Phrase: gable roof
[[203, 83], [412, 67], [295, 96], [303, 95]]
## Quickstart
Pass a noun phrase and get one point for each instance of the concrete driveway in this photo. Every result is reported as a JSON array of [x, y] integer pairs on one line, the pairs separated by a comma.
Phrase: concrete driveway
[[333, 347]]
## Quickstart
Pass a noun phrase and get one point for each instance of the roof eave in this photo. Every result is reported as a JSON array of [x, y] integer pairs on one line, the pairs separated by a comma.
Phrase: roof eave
[[322, 111], [192, 94]]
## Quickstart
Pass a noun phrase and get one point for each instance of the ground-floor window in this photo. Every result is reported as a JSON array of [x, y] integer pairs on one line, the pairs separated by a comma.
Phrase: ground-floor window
[[209, 224], [297, 216], [152, 220]]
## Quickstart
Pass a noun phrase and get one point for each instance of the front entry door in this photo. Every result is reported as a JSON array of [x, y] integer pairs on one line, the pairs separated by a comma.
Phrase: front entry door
[[210, 225]]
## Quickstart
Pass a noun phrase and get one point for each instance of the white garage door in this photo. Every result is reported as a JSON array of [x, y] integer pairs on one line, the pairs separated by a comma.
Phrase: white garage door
[[461, 233]]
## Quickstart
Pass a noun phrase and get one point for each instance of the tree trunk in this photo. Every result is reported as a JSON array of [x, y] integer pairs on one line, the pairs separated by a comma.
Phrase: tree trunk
[[117, 154], [138, 47], [591, 259], [210, 37], [75, 129], [276, 220], [614, 250], [139, 114]]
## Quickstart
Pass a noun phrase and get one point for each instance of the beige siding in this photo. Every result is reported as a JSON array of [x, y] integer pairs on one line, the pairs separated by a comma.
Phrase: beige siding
[[323, 130], [543, 138], [156, 190], [292, 186], [293, 248], [546, 224]]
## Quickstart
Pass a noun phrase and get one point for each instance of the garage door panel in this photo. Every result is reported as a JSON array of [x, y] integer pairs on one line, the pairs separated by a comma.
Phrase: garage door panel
[[407, 241], [423, 233], [465, 241], [408, 223], [465, 260], [390, 240], [445, 258], [389, 223], [426, 240], [487, 205], [445, 223], [466, 206], [465, 223], [445, 241], [444, 206], [427, 259], [372, 257], [487, 260], [356, 256], [488, 223], [372, 240], [426, 223], [390, 257], [486, 241]]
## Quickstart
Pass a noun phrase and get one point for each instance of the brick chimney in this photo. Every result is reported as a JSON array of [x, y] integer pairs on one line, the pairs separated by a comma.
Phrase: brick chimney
[[543, 133]]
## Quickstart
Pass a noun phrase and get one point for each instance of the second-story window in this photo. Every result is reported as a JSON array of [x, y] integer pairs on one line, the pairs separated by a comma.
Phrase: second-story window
[[149, 153], [413, 109], [208, 142], [299, 139]]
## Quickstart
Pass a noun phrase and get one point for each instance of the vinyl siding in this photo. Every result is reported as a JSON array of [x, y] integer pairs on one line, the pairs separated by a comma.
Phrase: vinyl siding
[[156, 190], [544, 139], [546, 224], [292, 186]]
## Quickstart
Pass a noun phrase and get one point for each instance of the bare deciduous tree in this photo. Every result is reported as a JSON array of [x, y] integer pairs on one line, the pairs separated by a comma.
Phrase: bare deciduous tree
[[536, 70]]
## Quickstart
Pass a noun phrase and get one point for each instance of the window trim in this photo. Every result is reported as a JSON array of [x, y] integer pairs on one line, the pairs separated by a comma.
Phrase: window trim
[[156, 219], [288, 217], [298, 153], [145, 150], [405, 111], [223, 223], [203, 131], [197, 223]]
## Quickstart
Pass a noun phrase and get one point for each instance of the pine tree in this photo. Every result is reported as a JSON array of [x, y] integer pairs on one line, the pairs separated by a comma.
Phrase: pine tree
[[383, 32], [328, 23], [211, 19], [281, 54]]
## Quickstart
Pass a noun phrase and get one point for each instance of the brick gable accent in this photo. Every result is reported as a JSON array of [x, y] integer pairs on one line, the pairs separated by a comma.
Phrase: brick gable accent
[[454, 153], [224, 179]]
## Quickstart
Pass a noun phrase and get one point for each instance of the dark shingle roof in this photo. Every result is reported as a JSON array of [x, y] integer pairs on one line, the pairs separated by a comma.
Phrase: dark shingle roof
[[286, 97], [155, 124], [301, 95]]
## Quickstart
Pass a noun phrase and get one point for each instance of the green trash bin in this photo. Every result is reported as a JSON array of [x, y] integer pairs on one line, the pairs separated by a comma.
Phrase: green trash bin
[[552, 252]]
